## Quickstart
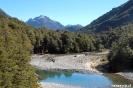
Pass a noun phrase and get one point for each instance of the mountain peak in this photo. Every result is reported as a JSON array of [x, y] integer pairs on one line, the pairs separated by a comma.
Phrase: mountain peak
[[43, 17], [44, 21]]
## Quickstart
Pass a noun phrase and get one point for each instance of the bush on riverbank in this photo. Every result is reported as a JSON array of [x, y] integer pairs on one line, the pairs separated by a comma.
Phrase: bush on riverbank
[[121, 54]]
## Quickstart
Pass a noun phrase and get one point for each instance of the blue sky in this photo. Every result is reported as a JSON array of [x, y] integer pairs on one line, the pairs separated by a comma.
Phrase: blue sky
[[64, 11]]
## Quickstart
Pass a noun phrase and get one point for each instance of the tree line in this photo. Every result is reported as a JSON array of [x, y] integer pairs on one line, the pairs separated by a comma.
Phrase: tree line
[[64, 42]]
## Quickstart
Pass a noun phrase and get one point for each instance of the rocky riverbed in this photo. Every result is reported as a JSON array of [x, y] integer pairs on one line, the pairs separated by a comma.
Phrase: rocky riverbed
[[76, 63], [54, 85]]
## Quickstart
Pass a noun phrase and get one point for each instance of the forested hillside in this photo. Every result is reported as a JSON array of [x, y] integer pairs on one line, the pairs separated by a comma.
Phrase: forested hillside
[[118, 16], [15, 48]]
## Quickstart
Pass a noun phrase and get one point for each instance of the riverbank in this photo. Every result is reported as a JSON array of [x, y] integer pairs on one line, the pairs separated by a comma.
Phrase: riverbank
[[76, 63], [127, 74], [54, 85]]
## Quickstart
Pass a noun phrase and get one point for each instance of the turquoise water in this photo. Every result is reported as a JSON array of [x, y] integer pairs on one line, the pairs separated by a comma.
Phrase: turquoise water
[[83, 80]]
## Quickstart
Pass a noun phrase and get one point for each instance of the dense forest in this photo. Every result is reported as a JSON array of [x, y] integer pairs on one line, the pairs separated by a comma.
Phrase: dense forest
[[64, 42], [15, 48]]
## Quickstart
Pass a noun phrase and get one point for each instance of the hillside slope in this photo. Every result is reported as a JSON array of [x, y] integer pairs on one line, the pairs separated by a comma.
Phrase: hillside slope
[[116, 17], [3, 13]]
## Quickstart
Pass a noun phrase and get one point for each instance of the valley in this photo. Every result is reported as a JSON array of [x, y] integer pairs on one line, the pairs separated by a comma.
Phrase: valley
[[36, 52]]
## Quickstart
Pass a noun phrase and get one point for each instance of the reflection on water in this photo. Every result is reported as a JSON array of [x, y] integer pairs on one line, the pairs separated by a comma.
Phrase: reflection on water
[[52, 74], [83, 80]]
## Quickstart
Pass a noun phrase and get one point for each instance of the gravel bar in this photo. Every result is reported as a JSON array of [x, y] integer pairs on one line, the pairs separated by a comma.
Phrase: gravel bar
[[75, 63], [54, 85]]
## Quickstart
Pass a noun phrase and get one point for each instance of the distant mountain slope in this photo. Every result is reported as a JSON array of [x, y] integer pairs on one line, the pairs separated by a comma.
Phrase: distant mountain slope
[[3, 13], [73, 28], [116, 17], [43, 21]]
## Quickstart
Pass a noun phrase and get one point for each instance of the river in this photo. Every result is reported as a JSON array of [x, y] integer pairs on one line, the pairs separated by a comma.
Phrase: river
[[83, 80]]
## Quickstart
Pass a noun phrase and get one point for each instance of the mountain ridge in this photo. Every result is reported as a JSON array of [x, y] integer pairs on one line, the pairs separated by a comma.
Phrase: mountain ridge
[[73, 28], [44, 21], [3, 13]]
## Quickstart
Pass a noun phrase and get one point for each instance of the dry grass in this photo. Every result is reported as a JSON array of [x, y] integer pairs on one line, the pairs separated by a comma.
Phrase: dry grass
[[92, 66], [104, 58]]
